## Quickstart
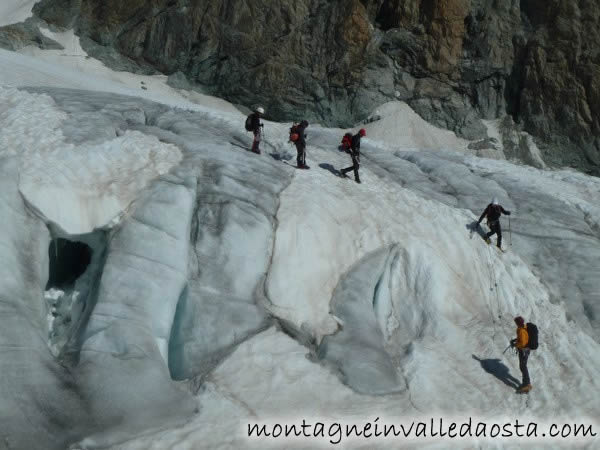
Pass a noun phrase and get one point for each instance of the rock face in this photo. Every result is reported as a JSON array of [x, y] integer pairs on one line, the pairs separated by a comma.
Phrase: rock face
[[559, 76], [16, 36], [453, 61]]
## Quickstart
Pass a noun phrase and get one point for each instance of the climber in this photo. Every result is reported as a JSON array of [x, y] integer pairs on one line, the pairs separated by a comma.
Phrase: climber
[[300, 143], [493, 212], [521, 343], [253, 124], [355, 153]]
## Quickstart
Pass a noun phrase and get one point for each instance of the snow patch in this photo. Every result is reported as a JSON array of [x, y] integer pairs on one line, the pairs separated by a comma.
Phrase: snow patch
[[73, 68], [15, 11], [401, 128]]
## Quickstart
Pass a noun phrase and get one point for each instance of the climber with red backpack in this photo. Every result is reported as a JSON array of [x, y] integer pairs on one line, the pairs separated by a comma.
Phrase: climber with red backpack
[[253, 124], [355, 154], [493, 212], [346, 143], [527, 340], [298, 137]]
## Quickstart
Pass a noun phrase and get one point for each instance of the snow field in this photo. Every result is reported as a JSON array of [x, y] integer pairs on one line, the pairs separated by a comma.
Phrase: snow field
[[72, 68], [271, 373], [443, 281], [569, 186], [384, 289]]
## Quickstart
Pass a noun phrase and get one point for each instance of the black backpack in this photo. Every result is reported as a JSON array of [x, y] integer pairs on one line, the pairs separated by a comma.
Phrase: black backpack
[[249, 123], [532, 331]]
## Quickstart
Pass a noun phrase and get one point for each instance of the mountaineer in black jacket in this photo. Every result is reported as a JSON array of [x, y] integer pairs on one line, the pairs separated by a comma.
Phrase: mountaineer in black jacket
[[301, 145], [256, 128], [355, 153], [493, 211]]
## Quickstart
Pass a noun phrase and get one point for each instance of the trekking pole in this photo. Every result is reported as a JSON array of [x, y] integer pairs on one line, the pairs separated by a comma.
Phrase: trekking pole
[[509, 231], [509, 346]]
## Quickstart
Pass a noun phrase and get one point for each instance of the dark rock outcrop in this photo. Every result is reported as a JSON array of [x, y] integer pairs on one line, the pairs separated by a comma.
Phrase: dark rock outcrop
[[453, 61], [19, 35]]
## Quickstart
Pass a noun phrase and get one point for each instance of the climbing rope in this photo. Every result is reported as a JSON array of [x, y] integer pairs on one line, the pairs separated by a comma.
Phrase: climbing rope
[[494, 280]]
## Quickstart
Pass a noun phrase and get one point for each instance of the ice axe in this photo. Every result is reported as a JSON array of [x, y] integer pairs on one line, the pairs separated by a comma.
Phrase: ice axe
[[510, 345]]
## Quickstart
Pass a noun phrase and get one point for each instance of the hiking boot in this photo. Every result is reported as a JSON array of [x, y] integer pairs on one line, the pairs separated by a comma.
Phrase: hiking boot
[[524, 389]]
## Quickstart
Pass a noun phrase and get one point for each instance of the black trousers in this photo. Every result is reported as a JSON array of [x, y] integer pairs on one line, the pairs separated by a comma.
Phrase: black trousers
[[256, 141], [301, 158], [523, 356], [495, 229], [355, 166]]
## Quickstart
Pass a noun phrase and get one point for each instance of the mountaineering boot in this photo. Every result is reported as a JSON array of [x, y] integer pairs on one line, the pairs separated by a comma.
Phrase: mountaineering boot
[[488, 241], [357, 180], [343, 174], [524, 389]]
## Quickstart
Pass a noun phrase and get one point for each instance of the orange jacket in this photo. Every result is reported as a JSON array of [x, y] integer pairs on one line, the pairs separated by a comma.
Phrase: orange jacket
[[522, 337]]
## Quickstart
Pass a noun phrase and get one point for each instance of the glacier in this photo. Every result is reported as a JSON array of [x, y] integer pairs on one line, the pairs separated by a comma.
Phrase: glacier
[[223, 288]]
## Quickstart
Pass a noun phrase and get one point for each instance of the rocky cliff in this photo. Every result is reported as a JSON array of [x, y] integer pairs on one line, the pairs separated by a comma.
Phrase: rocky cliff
[[454, 61]]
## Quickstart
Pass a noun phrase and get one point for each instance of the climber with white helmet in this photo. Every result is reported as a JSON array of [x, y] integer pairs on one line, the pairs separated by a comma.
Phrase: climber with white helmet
[[253, 124], [493, 211]]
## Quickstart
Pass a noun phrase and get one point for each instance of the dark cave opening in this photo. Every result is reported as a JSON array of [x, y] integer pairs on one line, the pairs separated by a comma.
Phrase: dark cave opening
[[68, 261]]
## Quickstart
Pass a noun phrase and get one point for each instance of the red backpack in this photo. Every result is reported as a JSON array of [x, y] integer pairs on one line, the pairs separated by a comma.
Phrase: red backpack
[[347, 141], [294, 134]]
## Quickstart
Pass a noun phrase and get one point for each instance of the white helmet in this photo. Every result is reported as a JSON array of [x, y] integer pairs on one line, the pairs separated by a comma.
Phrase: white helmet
[[495, 201], [260, 110]]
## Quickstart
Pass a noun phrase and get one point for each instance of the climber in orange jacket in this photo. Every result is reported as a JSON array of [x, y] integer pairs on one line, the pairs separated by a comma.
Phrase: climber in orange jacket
[[521, 344]]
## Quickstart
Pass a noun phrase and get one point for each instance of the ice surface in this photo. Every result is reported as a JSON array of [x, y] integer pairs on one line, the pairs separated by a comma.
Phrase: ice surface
[[52, 168], [228, 287], [361, 302]]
